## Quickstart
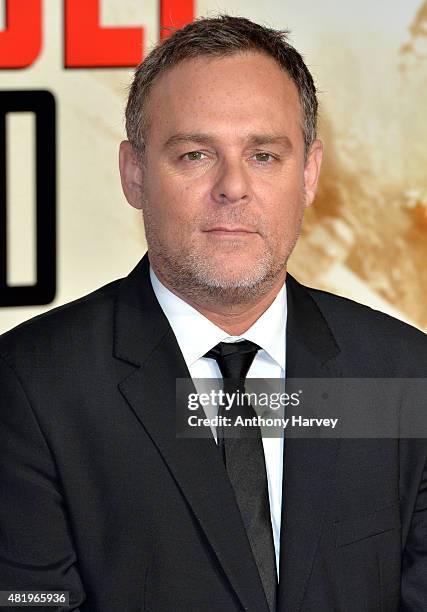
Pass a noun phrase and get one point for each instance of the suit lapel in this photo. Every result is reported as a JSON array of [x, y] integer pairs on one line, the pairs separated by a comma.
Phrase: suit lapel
[[308, 463], [144, 338]]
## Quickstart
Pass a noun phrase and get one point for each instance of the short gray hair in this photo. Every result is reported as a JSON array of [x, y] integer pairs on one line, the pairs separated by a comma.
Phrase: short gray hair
[[218, 36]]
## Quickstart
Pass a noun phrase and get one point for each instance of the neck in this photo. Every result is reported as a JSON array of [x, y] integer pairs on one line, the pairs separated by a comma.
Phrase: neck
[[235, 318]]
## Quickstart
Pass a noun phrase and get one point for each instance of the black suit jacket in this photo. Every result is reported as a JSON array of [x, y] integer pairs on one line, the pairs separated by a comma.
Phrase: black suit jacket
[[99, 497]]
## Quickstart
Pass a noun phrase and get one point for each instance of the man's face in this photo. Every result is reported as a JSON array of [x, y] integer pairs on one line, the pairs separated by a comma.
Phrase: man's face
[[224, 183]]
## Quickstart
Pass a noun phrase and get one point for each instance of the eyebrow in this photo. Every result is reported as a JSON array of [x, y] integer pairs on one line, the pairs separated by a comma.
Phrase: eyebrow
[[253, 140]]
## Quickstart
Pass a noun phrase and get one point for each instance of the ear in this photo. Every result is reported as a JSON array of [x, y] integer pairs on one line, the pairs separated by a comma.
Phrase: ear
[[312, 170], [131, 174]]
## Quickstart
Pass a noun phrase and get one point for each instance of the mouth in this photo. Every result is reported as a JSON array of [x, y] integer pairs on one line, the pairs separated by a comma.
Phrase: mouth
[[230, 231]]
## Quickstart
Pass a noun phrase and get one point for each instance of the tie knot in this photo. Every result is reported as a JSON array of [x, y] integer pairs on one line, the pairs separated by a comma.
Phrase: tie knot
[[234, 358]]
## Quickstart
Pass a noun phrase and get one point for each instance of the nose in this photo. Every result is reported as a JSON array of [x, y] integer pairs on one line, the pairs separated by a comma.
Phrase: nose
[[232, 183]]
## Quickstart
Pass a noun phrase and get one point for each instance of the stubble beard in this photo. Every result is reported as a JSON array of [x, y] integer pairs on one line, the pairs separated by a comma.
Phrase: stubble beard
[[192, 275]]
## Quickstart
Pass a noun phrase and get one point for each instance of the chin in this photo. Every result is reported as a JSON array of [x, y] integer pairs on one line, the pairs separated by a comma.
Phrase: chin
[[243, 277], [231, 291]]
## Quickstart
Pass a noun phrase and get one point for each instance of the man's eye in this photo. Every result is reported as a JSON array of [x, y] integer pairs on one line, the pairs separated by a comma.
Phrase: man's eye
[[193, 156], [263, 157]]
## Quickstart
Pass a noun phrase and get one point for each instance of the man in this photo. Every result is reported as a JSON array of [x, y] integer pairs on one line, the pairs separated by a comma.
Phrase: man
[[99, 496]]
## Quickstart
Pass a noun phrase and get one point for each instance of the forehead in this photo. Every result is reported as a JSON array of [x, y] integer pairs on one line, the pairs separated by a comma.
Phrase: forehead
[[244, 91]]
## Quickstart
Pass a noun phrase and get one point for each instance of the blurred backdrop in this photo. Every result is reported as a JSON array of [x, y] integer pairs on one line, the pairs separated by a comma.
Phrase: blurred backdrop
[[65, 227]]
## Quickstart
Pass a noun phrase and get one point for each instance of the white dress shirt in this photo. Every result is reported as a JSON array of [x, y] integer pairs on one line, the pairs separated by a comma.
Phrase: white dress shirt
[[196, 335]]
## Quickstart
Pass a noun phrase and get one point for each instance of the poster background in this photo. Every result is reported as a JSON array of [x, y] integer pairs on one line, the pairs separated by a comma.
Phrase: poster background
[[365, 237]]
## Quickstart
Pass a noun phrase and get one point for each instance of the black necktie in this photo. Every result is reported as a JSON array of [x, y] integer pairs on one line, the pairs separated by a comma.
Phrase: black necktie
[[244, 461]]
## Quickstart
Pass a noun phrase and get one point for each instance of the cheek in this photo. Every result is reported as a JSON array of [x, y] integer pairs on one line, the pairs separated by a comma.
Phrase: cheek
[[281, 206], [173, 210], [184, 204], [283, 213]]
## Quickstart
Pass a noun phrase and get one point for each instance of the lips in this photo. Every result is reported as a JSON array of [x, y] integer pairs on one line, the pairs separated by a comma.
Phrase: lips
[[231, 230]]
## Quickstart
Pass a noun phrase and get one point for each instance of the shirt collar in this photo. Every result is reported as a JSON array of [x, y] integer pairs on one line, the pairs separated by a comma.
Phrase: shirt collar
[[196, 334]]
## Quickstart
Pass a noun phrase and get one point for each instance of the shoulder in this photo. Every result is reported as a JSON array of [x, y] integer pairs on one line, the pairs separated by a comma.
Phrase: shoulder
[[61, 328], [373, 335]]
